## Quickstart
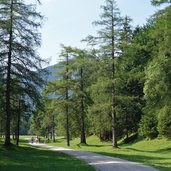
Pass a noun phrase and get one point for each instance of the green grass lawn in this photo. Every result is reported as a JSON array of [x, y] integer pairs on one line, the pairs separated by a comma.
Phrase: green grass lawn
[[28, 158], [156, 153]]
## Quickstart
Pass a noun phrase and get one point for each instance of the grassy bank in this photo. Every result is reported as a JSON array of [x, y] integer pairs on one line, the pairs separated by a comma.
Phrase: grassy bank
[[156, 153], [28, 158]]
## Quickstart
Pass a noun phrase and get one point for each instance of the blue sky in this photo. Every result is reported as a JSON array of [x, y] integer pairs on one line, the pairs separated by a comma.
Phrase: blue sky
[[69, 21]]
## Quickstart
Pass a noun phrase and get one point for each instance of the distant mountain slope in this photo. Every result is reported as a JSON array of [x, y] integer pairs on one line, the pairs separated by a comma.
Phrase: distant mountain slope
[[50, 73]]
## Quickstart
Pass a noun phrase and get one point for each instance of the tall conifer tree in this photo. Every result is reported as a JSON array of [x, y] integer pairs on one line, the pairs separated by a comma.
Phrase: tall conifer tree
[[107, 39], [19, 39]]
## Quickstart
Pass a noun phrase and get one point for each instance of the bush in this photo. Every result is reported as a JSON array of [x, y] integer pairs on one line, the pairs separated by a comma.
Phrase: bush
[[164, 122], [148, 126]]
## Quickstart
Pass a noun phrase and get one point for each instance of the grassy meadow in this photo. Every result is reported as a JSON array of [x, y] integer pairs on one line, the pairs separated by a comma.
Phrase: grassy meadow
[[29, 158], [156, 153]]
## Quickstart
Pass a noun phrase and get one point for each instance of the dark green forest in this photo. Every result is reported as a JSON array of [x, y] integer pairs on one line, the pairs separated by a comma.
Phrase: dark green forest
[[117, 88]]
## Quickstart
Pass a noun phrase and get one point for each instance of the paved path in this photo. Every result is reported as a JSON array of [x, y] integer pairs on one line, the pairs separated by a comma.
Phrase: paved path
[[101, 162]]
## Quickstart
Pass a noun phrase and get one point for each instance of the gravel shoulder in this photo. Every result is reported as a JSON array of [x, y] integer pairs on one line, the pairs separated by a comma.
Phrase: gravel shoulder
[[100, 162]]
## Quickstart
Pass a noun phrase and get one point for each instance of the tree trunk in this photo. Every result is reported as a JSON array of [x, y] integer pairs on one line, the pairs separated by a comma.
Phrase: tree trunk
[[83, 137], [51, 135], [126, 117], [18, 123], [53, 129], [66, 106], [114, 139], [67, 127], [14, 136], [8, 82]]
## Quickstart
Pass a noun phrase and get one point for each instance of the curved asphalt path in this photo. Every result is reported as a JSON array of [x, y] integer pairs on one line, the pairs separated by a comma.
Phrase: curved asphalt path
[[100, 162]]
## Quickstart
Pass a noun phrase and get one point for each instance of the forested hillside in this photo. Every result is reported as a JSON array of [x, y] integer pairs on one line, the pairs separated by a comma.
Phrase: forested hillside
[[117, 88]]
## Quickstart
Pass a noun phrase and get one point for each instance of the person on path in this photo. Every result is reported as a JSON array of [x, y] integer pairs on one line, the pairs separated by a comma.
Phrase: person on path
[[32, 140]]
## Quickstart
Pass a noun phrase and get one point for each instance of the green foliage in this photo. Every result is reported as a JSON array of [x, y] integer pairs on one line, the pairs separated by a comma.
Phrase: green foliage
[[107, 42], [164, 121], [158, 76], [159, 2], [70, 95], [100, 110], [129, 81], [44, 119], [148, 126]]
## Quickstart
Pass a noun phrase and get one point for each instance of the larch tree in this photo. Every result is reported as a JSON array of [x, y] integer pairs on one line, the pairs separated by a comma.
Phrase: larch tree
[[19, 25], [61, 88], [66, 78], [107, 39], [159, 2], [124, 99], [81, 70]]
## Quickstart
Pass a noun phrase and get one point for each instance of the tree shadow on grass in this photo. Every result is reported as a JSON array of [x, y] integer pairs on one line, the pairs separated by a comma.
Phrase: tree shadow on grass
[[153, 151], [141, 159], [164, 150], [164, 167], [92, 145], [34, 159]]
